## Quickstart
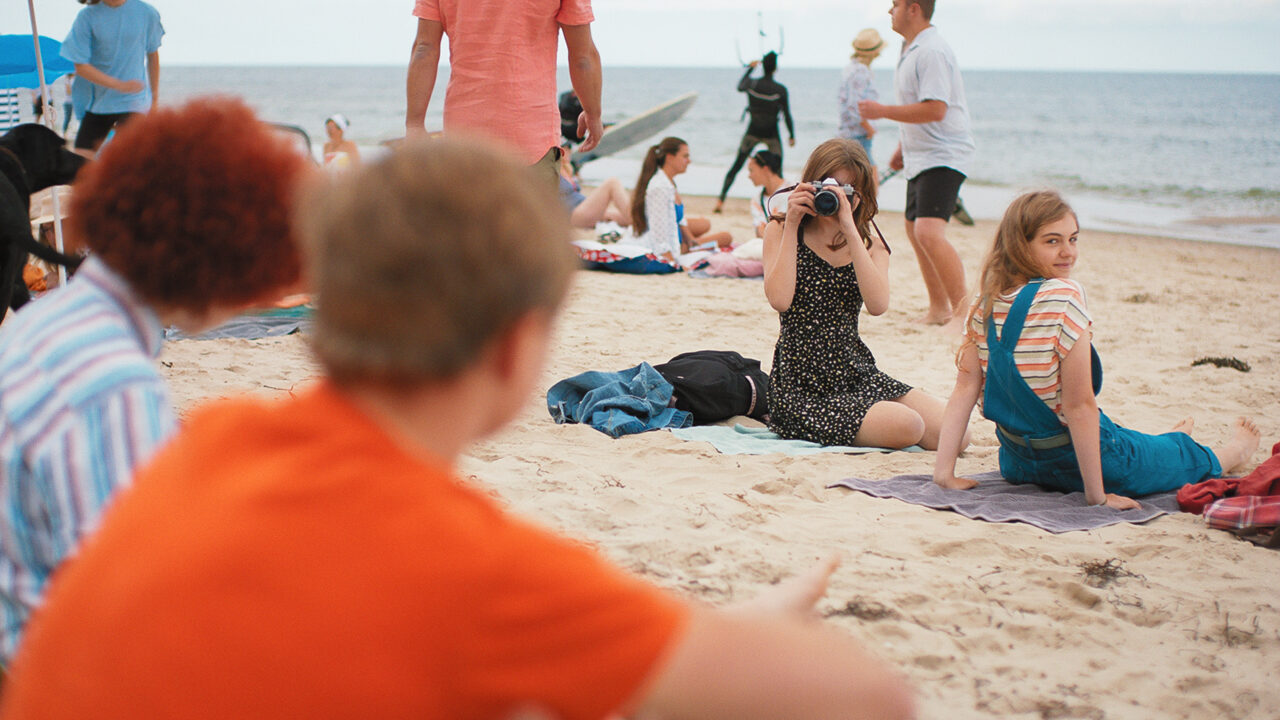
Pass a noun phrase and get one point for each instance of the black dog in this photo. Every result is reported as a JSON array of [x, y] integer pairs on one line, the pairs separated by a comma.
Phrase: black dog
[[32, 158]]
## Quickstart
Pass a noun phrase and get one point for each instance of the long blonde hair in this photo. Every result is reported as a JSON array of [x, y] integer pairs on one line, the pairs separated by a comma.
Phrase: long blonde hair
[[1010, 264]]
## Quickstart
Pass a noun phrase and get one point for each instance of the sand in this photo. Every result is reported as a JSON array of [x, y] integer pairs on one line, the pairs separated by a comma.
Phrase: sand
[[985, 619]]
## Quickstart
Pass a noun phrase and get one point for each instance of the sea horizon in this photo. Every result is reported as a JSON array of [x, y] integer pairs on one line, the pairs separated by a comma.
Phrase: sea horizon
[[1188, 155], [444, 64]]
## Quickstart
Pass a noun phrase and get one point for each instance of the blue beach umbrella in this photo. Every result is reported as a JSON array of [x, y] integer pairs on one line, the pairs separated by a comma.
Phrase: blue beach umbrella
[[18, 61]]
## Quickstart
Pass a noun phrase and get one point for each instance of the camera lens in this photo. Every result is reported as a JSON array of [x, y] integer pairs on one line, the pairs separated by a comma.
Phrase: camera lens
[[825, 202]]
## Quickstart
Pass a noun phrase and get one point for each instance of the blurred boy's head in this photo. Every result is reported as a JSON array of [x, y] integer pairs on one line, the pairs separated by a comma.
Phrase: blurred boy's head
[[426, 259]]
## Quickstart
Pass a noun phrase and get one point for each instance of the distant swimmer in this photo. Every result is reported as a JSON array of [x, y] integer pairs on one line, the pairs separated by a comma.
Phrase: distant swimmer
[[766, 98], [339, 152]]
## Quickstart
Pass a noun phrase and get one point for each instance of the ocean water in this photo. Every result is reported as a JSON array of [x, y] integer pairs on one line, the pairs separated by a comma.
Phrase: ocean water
[[1193, 156]]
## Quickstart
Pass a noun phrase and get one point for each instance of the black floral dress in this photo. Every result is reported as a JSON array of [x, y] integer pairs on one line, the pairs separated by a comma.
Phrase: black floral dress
[[824, 378]]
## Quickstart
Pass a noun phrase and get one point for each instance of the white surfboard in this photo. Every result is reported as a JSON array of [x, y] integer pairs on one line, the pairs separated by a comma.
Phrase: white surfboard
[[638, 128]]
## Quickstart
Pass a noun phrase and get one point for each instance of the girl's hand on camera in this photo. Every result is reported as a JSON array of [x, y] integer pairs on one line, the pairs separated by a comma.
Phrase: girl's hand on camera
[[800, 203], [846, 208]]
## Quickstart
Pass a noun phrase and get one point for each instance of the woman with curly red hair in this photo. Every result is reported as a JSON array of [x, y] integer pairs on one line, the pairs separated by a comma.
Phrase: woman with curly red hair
[[187, 214]]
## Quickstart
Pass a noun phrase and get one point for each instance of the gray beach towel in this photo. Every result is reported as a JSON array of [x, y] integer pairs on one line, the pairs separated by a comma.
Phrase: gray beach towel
[[995, 500], [255, 325], [741, 440]]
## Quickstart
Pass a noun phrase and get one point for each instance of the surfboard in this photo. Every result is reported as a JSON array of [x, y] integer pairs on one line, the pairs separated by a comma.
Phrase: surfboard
[[637, 128]]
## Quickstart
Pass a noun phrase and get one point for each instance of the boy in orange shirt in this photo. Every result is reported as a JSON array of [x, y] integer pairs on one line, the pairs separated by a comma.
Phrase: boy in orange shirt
[[317, 557]]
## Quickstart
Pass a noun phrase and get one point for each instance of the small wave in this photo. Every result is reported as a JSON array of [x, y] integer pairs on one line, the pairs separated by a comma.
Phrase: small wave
[[1171, 193]]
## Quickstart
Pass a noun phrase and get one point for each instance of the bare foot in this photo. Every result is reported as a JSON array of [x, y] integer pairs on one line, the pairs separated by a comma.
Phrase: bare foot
[[796, 595], [954, 327], [935, 317], [719, 208], [956, 483], [1241, 446], [1185, 425]]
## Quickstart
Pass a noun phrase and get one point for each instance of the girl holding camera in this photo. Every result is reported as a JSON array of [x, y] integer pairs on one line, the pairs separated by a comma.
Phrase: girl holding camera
[[823, 260], [1028, 354]]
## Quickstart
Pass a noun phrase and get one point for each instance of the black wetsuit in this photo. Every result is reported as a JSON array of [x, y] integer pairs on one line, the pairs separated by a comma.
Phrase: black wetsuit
[[570, 109], [766, 98]]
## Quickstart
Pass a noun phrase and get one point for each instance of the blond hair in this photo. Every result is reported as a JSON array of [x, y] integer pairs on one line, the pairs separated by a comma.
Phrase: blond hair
[[422, 258], [1009, 264]]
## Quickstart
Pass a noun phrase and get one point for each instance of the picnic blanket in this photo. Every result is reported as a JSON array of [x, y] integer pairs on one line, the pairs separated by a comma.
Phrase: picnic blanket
[[258, 324], [995, 500], [622, 258], [741, 440]]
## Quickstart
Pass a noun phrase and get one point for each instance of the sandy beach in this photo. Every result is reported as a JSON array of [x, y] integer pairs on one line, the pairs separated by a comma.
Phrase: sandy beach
[[987, 620]]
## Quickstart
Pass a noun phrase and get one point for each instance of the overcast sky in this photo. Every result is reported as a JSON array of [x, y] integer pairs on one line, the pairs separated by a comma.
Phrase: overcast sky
[[1147, 35]]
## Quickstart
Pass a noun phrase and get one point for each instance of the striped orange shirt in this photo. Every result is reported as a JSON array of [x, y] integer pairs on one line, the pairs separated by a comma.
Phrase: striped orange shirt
[[1058, 316]]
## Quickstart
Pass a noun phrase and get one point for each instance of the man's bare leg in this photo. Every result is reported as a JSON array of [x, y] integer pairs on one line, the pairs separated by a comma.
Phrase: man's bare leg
[[939, 303], [946, 286]]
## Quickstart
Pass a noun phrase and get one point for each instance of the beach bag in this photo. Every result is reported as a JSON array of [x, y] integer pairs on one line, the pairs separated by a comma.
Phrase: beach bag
[[714, 385]]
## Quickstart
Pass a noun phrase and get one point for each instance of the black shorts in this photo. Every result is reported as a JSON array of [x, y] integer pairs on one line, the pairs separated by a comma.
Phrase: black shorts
[[94, 128], [933, 193]]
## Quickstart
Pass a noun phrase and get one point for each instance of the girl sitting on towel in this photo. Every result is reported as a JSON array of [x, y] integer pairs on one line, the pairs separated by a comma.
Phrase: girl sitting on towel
[[1028, 354], [658, 218], [819, 269]]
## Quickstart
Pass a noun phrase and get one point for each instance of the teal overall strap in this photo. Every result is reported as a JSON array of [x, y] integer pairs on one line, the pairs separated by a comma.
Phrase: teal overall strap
[[1007, 398]]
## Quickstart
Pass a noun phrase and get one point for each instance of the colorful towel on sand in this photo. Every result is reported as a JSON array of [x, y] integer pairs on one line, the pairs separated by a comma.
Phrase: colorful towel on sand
[[726, 264], [995, 500], [741, 440], [258, 324], [622, 258], [1264, 480], [1244, 512]]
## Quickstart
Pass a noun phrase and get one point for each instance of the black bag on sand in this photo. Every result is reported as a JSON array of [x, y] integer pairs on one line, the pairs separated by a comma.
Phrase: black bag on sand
[[717, 384]]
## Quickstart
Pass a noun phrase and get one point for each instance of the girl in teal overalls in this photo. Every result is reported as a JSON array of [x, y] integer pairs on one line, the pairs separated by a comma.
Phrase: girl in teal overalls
[[1028, 353]]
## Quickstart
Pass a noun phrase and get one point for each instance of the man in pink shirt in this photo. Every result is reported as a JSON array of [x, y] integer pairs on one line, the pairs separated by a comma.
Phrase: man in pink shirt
[[502, 81]]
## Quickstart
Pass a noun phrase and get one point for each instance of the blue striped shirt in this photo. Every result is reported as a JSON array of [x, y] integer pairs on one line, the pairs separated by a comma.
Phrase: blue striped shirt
[[81, 404]]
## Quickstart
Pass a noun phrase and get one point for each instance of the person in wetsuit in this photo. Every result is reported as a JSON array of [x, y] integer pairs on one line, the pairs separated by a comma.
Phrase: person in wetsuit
[[570, 109], [766, 97]]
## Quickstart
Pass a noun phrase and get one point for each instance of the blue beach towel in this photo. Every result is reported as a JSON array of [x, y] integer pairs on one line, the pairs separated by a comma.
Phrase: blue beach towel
[[996, 500], [741, 440], [253, 325]]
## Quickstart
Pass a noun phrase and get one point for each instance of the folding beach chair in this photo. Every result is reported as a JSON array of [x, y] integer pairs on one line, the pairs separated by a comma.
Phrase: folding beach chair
[[10, 108]]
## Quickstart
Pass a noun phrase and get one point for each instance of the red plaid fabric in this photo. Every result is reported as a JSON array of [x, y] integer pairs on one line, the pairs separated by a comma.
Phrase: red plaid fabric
[[1245, 512], [600, 256], [1265, 480], [605, 256]]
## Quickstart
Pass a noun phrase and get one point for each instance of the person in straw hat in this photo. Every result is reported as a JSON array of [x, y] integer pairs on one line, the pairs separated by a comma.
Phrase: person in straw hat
[[857, 83]]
